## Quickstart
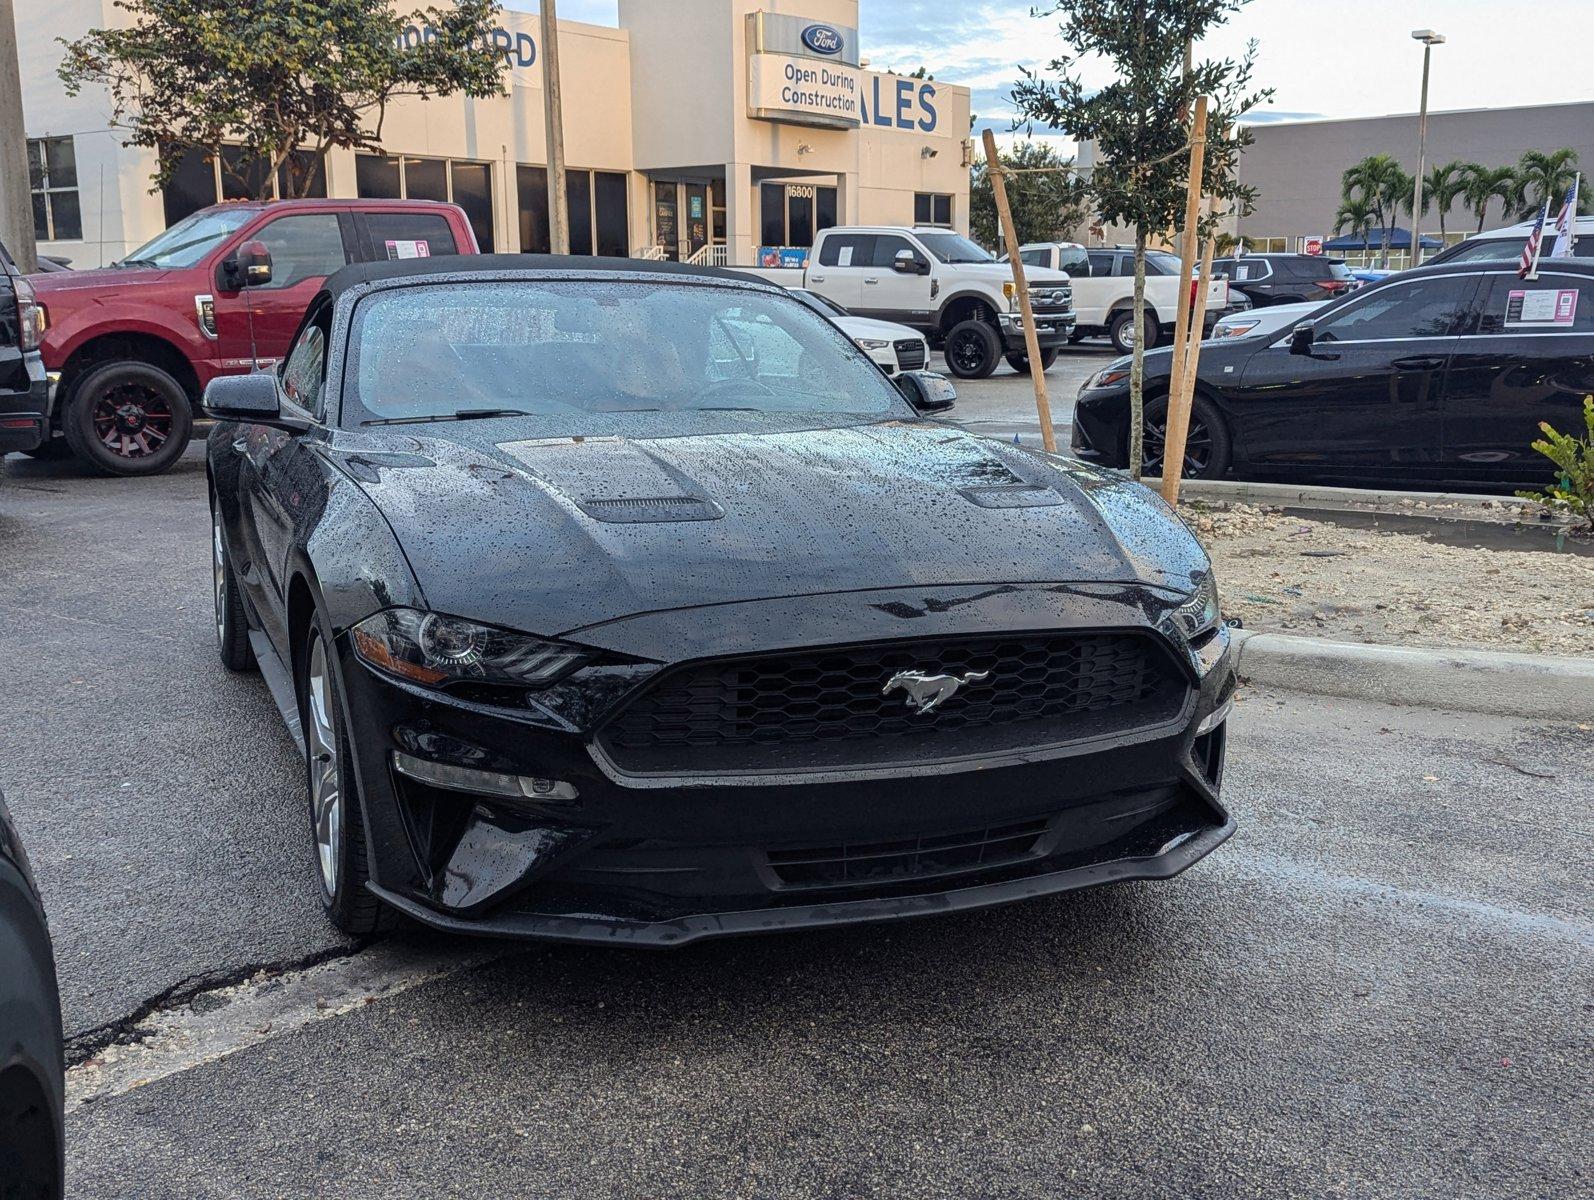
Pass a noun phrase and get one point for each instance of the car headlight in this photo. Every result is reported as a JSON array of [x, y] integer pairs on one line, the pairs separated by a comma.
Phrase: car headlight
[[1107, 378], [1234, 329], [873, 343], [435, 650], [1199, 613]]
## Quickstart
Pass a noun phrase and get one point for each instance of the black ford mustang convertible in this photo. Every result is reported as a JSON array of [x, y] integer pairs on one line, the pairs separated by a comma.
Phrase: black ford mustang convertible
[[631, 603]]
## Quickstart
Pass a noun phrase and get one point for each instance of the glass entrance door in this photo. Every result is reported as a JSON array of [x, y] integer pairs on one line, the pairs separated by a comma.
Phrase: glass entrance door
[[666, 231]]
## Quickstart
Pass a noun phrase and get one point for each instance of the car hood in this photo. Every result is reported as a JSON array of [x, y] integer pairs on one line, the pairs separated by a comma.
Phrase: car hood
[[863, 327], [56, 283], [1002, 273], [551, 535]]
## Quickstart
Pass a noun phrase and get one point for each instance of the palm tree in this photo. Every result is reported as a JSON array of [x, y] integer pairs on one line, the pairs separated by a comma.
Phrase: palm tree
[[1544, 178], [1355, 215], [1444, 184], [1484, 184], [1379, 181]]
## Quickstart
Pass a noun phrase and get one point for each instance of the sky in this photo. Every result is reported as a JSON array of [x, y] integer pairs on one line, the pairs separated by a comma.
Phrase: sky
[[1332, 58]]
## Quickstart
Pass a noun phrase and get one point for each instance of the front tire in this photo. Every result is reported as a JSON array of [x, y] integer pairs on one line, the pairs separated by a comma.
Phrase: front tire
[[336, 826], [1207, 448], [1020, 362], [1122, 331], [128, 418], [972, 350], [232, 626]]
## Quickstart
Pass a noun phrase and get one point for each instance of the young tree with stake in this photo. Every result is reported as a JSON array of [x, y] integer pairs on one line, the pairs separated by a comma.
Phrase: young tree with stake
[[1140, 124]]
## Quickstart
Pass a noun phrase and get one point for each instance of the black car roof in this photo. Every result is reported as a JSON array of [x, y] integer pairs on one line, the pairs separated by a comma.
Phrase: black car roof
[[465, 265]]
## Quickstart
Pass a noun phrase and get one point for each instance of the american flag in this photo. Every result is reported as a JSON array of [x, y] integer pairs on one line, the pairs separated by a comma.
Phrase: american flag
[[1566, 223], [1530, 252]]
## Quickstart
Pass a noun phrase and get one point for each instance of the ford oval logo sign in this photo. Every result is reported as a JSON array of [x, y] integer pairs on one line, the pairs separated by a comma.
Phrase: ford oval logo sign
[[822, 39]]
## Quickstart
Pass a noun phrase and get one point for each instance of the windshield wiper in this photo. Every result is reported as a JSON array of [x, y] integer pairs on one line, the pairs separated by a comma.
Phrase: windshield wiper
[[464, 414], [135, 262]]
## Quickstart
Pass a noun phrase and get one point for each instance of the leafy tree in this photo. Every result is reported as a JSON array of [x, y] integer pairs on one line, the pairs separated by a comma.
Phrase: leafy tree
[[1379, 181], [1355, 216], [1047, 198], [275, 76], [1542, 177], [1483, 184], [1140, 123], [1444, 184]]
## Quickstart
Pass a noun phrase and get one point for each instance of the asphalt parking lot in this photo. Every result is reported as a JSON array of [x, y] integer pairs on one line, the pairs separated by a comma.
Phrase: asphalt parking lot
[[1379, 988]]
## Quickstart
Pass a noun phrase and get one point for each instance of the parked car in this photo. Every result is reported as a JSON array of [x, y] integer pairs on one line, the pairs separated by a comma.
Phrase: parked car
[[1437, 376], [894, 348], [941, 284], [1103, 283], [1286, 278], [1505, 245], [23, 390], [1258, 322], [630, 603], [220, 291], [1365, 275], [32, 1072]]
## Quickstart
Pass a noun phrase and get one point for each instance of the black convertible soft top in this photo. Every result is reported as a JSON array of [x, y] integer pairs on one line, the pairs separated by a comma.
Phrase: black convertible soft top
[[463, 265]]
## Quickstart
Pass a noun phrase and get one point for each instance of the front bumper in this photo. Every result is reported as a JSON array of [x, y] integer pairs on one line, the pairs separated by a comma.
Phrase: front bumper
[[664, 861], [24, 419], [1052, 330]]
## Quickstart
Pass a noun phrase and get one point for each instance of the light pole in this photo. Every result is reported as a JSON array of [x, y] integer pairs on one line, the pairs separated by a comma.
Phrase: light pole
[[1429, 40]]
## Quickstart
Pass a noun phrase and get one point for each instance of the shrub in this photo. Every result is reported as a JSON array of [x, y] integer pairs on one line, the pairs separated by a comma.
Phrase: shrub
[[1573, 492]]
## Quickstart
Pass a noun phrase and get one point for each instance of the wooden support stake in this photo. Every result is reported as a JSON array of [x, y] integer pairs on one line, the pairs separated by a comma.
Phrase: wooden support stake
[[1192, 360], [1177, 425], [1037, 374]]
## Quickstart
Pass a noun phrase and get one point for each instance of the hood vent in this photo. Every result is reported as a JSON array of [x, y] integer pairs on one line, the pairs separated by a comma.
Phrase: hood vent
[[1012, 495], [640, 509]]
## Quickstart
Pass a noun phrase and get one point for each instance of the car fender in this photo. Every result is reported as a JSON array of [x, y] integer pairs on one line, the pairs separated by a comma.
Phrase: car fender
[[350, 530], [102, 319], [993, 298]]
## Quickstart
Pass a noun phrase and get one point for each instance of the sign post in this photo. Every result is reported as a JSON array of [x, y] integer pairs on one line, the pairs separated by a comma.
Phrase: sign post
[[1037, 374], [554, 116]]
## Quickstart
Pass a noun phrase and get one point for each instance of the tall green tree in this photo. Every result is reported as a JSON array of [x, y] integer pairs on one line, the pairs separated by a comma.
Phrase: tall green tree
[[1544, 176], [1483, 184], [1355, 216], [1379, 181], [275, 76], [1046, 196], [1444, 184], [1140, 123]]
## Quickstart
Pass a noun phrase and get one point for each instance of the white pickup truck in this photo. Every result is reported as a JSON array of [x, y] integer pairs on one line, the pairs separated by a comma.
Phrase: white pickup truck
[[937, 282], [1104, 290]]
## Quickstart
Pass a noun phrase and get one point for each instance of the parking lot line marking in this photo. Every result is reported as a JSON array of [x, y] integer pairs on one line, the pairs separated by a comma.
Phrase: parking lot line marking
[[214, 1024]]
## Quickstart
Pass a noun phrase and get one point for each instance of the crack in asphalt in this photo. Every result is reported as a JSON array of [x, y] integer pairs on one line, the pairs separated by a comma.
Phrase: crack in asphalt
[[124, 1030]]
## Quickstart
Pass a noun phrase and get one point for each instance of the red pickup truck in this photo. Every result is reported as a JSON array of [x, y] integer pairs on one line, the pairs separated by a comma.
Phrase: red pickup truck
[[132, 346]]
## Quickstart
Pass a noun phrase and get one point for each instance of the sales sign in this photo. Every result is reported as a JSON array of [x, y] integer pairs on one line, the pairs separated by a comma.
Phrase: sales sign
[[1549, 307]]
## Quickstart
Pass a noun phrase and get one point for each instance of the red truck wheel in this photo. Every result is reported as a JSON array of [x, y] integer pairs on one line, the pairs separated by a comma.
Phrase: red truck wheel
[[128, 418]]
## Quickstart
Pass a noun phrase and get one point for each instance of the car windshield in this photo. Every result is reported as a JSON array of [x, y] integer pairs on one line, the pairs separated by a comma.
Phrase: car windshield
[[823, 305], [583, 354], [188, 241], [954, 248]]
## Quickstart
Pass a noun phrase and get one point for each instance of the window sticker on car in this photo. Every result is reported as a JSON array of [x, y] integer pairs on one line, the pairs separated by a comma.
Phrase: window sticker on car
[[845, 260], [1558, 307], [405, 248]]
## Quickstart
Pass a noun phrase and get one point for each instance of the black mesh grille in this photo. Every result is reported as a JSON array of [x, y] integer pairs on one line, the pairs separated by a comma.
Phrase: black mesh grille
[[829, 707], [912, 858], [911, 354]]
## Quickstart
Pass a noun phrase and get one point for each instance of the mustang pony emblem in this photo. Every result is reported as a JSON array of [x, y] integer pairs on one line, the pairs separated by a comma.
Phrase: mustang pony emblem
[[926, 692]]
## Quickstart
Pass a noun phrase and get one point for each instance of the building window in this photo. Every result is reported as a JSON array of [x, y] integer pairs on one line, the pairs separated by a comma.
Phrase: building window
[[792, 213], [600, 221], [932, 208], [200, 178], [52, 178], [406, 177]]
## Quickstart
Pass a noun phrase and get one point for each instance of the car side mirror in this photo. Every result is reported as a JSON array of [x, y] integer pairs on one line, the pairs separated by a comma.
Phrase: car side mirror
[[252, 399], [250, 266], [909, 263], [927, 391], [1301, 338]]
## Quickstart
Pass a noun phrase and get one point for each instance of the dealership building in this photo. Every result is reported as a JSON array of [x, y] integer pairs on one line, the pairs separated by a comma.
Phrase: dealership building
[[717, 131]]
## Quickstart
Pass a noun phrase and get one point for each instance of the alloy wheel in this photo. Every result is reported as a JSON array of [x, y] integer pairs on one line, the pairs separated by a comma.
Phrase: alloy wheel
[[1197, 447], [132, 421], [965, 352], [321, 744]]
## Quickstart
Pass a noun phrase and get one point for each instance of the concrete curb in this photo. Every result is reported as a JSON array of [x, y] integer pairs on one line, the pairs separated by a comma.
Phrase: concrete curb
[[1328, 497], [1484, 681]]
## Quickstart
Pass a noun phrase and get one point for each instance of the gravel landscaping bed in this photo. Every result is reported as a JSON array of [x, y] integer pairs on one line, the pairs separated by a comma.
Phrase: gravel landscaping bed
[[1286, 573]]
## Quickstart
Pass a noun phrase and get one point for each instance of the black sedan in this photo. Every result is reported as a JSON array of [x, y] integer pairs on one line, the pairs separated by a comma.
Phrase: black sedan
[[633, 604], [1434, 377], [32, 1078]]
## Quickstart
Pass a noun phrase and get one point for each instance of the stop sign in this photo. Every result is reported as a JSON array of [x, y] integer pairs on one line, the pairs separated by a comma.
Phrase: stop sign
[[1314, 245]]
